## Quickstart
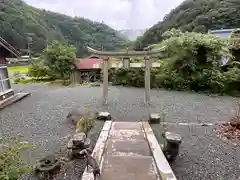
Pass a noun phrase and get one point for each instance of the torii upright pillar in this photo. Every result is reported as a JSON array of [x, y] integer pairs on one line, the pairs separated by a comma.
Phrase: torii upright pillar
[[147, 79], [105, 80]]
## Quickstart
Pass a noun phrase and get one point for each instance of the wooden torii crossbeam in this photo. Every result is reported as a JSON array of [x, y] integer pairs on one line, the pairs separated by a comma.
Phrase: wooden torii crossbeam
[[147, 54]]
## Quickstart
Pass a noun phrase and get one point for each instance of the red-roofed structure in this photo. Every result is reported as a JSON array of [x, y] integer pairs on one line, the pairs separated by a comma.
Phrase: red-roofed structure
[[87, 69], [91, 62]]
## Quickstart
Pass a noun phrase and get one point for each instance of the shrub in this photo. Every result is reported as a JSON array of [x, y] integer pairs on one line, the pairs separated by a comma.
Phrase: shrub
[[85, 124], [11, 166], [59, 58], [66, 83], [194, 62], [38, 69]]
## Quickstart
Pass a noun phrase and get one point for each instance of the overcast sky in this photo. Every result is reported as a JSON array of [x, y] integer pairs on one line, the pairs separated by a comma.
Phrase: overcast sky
[[119, 14]]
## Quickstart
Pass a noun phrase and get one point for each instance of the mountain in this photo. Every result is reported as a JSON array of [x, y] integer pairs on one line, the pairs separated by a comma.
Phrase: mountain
[[17, 20], [132, 34], [195, 15]]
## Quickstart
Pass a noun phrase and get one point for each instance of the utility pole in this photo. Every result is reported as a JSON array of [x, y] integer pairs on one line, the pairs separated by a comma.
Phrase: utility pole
[[30, 40]]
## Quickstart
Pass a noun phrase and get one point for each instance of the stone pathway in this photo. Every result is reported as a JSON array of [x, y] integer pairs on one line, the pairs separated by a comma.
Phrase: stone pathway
[[129, 150]]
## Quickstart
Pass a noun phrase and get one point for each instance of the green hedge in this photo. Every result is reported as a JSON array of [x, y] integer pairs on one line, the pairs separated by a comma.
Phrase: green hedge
[[206, 80], [131, 77]]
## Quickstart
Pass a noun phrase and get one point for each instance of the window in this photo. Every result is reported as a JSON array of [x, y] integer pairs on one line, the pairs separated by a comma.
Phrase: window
[[5, 85]]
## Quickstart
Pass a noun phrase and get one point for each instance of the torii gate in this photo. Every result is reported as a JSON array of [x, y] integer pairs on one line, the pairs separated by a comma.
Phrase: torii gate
[[147, 53]]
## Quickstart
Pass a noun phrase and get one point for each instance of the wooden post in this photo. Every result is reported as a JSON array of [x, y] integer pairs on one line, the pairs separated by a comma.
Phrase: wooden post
[[105, 80], [126, 63], [147, 79]]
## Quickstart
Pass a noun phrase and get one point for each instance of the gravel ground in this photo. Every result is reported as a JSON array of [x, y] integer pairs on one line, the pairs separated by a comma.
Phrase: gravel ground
[[40, 119]]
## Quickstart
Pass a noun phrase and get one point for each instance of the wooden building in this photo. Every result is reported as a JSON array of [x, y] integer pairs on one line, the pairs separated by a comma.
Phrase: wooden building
[[6, 50], [87, 70]]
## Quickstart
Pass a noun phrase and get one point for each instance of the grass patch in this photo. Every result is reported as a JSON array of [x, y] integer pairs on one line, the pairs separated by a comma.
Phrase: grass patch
[[20, 69], [46, 80]]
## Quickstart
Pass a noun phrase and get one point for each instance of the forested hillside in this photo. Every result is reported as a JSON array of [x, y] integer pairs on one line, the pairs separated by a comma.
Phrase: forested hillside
[[195, 15], [17, 19]]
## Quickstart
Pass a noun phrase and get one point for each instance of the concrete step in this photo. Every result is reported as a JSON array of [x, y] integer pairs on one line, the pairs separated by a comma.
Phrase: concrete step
[[128, 147], [127, 130], [15, 98], [127, 126], [128, 168]]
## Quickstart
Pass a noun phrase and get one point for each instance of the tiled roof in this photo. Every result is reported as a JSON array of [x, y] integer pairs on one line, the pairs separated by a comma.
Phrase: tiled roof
[[88, 63]]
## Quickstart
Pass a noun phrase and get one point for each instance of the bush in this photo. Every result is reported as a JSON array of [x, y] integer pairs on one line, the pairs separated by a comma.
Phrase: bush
[[129, 77], [85, 124], [194, 63], [66, 83], [11, 166], [38, 69], [59, 58]]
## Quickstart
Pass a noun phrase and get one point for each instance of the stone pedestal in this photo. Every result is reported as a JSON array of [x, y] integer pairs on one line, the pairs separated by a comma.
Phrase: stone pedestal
[[104, 116], [154, 118], [172, 142], [78, 143], [49, 164]]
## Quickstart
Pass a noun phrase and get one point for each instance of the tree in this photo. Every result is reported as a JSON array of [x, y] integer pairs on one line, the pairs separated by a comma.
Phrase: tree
[[191, 51], [234, 47], [37, 68], [59, 58], [17, 19], [197, 16]]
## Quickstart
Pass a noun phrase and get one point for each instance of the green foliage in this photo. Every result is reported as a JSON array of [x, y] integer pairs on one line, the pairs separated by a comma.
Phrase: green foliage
[[17, 18], [59, 58], [38, 69], [57, 63], [234, 46], [136, 60], [194, 15], [131, 77], [17, 77], [189, 52], [193, 63], [11, 166], [85, 124]]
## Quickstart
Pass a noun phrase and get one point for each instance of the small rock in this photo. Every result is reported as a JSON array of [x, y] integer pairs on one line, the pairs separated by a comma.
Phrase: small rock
[[20, 135], [74, 116], [95, 84]]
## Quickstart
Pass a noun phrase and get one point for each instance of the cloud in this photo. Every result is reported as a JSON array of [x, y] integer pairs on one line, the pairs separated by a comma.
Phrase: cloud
[[119, 14]]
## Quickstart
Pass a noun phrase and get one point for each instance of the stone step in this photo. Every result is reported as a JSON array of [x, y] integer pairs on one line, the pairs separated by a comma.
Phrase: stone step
[[127, 126], [15, 98], [127, 130], [128, 168], [128, 147]]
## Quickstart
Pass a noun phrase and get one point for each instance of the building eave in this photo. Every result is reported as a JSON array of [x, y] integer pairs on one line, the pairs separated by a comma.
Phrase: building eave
[[8, 47], [222, 31]]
